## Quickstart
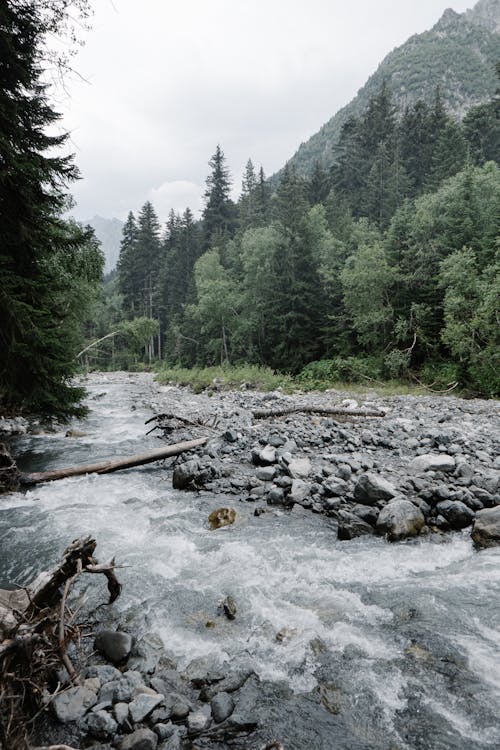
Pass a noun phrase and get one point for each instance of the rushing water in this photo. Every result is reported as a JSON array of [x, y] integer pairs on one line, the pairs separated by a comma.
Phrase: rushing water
[[381, 646]]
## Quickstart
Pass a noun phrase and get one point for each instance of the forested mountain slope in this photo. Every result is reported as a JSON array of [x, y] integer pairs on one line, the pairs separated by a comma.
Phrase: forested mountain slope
[[458, 55]]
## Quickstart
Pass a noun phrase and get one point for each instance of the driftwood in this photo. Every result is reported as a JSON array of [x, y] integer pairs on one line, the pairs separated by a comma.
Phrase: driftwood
[[36, 627], [117, 464], [335, 411]]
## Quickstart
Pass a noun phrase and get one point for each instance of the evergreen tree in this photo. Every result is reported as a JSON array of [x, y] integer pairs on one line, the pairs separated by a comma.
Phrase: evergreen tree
[[218, 214], [319, 185], [46, 264], [126, 267], [248, 208], [262, 199]]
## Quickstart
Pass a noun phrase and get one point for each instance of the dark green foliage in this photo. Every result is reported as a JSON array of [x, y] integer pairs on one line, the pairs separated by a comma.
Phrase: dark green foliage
[[218, 214], [49, 267]]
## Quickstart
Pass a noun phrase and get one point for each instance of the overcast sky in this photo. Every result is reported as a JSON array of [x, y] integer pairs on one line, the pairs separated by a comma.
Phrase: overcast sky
[[168, 80]]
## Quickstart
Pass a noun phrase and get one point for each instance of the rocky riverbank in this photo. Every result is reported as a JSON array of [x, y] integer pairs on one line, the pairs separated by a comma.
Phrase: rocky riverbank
[[429, 467]]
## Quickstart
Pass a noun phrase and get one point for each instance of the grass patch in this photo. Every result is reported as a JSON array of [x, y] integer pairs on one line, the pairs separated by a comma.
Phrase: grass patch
[[205, 378], [264, 379]]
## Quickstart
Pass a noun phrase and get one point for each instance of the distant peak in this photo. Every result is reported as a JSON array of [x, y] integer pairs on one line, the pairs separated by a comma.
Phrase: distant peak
[[448, 18], [485, 13]]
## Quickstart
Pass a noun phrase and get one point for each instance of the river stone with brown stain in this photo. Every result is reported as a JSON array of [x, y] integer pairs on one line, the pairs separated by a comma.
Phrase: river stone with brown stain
[[221, 517]]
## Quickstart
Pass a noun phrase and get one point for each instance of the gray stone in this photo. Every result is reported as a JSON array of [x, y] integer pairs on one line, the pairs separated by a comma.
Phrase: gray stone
[[456, 513], [368, 513], [103, 672], [276, 496], [121, 712], [141, 739], [335, 487], [400, 519], [370, 488], [134, 678], [205, 670], [73, 703], [432, 462], [486, 530], [115, 645], [164, 731], [299, 491], [267, 456], [352, 526], [143, 705], [116, 690], [222, 706], [299, 467], [101, 725], [180, 709], [266, 473], [197, 722], [185, 474]]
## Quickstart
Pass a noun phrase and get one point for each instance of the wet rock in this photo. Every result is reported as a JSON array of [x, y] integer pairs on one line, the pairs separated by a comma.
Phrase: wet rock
[[456, 513], [143, 705], [432, 462], [101, 725], [221, 517], [370, 488], [205, 670], [400, 519], [230, 436], [115, 645], [185, 474], [368, 513], [266, 473], [141, 739], [229, 607], [486, 530], [276, 496], [222, 706], [73, 703], [229, 684], [352, 526]]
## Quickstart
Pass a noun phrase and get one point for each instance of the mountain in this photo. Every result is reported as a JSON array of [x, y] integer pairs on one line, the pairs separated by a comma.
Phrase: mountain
[[458, 54], [109, 233]]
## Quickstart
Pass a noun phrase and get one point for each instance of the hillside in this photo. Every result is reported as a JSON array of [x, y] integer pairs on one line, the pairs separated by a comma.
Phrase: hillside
[[109, 233], [458, 54]]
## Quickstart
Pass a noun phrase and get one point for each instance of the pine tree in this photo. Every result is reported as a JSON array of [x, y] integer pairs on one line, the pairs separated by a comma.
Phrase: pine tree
[[127, 267], [247, 207], [218, 214], [46, 264]]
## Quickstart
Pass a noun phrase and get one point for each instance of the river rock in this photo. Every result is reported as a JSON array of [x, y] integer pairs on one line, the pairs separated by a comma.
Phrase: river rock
[[486, 531], [432, 462], [101, 725], [116, 690], [204, 670], [141, 739], [103, 672], [222, 706], [400, 519], [115, 645], [73, 703], [266, 456], [299, 492], [221, 517], [143, 705], [351, 526], [299, 467], [370, 488], [456, 513], [266, 473], [185, 474], [120, 711], [335, 487], [197, 722]]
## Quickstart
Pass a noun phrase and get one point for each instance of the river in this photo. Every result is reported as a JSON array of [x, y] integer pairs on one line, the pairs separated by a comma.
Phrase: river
[[380, 645]]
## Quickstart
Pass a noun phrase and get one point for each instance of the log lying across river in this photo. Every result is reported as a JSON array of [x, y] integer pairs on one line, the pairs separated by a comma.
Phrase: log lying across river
[[116, 464]]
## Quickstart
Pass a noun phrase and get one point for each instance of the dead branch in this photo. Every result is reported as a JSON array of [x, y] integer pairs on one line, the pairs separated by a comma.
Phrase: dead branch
[[117, 464], [162, 421], [37, 627], [451, 386], [306, 409]]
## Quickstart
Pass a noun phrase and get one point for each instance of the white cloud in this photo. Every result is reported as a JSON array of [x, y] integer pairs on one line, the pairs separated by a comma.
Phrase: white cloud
[[176, 195]]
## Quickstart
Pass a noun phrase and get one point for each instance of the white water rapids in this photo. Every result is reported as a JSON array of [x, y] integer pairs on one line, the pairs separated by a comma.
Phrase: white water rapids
[[402, 641]]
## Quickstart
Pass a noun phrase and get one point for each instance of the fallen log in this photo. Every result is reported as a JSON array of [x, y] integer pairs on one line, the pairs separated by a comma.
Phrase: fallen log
[[117, 464], [335, 411]]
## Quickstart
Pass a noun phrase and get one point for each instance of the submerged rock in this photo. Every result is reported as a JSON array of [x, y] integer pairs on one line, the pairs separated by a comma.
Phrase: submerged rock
[[400, 519], [486, 531]]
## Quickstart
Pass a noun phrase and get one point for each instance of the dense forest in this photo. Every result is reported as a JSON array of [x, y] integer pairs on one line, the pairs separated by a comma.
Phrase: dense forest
[[50, 267], [386, 265]]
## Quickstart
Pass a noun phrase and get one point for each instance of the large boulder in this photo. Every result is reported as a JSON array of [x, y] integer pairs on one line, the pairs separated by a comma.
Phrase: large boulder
[[486, 531], [186, 474], [400, 519], [432, 462], [370, 488], [300, 492], [456, 513]]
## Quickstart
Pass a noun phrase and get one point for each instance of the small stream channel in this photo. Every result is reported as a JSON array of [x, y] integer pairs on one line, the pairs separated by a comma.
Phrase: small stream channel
[[380, 646]]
